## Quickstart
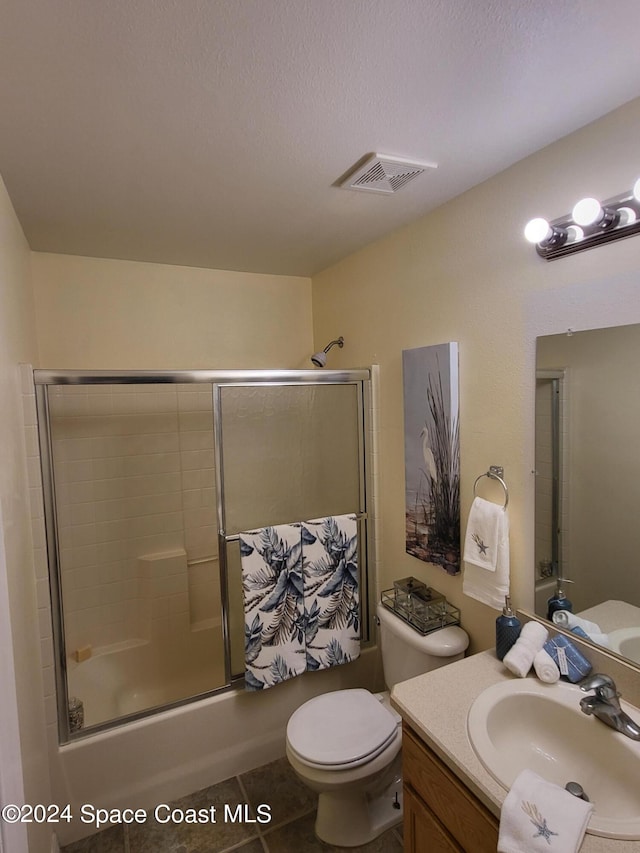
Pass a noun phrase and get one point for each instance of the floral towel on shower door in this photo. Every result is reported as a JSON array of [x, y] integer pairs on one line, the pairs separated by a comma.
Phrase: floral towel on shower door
[[273, 595], [331, 598]]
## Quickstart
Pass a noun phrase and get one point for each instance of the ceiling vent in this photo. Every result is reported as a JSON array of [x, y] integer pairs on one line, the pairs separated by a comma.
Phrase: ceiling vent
[[383, 174]]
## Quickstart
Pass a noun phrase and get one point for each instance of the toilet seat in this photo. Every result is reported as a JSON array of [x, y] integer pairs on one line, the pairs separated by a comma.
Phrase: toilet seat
[[340, 730]]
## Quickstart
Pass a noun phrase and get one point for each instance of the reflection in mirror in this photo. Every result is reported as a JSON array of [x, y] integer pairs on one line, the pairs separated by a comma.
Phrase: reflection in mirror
[[587, 483]]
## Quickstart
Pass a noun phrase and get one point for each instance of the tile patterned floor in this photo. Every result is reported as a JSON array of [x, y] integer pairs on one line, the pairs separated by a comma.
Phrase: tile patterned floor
[[290, 830]]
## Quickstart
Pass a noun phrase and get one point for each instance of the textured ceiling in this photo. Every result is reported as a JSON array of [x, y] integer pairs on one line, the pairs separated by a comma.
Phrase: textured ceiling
[[212, 132]]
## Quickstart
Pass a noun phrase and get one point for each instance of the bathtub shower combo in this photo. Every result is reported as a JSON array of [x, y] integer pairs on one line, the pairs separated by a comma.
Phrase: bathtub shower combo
[[149, 478]]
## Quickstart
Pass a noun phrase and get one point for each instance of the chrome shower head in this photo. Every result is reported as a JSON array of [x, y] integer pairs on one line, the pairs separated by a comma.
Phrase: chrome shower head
[[320, 358]]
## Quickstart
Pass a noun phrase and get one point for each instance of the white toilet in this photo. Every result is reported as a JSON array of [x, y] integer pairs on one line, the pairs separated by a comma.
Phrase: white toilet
[[345, 745]]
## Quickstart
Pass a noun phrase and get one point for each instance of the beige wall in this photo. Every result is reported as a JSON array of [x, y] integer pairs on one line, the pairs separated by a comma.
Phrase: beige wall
[[18, 587], [106, 314], [466, 274]]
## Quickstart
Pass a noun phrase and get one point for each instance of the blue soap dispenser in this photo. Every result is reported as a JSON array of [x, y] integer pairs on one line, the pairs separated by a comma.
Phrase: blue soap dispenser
[[508, 628], [558, 600]]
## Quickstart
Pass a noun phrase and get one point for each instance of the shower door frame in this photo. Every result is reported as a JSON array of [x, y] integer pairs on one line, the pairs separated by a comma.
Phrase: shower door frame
[[555, 379], [43, 378], [365, 540]]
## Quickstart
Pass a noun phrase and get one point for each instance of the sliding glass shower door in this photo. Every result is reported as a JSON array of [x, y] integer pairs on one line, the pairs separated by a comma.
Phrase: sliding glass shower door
[[148, 479], [134, 483], [286, 453]]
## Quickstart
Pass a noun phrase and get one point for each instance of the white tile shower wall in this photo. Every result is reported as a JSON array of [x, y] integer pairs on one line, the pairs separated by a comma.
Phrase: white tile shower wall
[[135, 477], [197, 465], [205, 610], [116, 461], [164, 593]]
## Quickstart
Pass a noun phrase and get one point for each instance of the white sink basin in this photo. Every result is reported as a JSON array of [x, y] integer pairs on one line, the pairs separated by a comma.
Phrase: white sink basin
[[522, 724], [626, 641]]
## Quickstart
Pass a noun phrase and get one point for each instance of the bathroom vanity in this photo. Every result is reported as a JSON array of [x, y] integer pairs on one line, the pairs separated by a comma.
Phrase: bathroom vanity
[[452, 803], [440, 813]]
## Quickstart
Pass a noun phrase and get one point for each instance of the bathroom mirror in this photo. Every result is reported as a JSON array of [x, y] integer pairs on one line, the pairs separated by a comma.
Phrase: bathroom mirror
[[588, 480]]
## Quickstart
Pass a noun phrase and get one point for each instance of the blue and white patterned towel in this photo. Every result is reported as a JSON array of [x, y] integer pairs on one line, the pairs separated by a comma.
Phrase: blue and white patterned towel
[[273, 593], [331, 597]]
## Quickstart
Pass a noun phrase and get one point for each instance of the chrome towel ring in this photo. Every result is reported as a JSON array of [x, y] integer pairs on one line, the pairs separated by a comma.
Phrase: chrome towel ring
[[495, 472]]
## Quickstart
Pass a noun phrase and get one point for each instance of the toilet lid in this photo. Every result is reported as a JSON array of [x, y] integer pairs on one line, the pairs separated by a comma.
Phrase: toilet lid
[[340, 728]]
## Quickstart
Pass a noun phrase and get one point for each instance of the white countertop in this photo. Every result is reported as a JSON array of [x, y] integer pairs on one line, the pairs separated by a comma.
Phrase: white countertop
[[612, 614], [436, 705]]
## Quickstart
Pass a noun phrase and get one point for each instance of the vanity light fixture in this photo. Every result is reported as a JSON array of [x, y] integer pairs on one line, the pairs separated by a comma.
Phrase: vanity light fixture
[[590, 223]]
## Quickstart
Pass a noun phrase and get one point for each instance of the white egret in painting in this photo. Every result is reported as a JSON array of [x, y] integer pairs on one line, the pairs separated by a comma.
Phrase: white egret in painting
[[427, 453]]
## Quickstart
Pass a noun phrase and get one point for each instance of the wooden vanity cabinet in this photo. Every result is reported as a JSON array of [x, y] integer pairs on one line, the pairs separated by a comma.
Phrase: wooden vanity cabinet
[[440, 814]]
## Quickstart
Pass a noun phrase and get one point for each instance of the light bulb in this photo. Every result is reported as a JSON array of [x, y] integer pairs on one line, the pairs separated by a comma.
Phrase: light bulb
[[636, 190], [537, 230], [574, 234], [587, 211], [627, 216]]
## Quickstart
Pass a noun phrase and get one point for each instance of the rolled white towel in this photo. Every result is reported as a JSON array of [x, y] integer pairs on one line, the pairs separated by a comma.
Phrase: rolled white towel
[[519, 658], [535, 634], [567, 619], [545, 667]]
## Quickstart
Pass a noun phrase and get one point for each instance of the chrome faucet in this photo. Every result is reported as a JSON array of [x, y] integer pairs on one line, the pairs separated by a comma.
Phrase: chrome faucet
[[605, 705]]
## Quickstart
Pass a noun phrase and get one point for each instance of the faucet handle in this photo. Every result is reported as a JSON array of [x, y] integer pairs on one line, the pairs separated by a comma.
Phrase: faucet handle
[[602, 684]]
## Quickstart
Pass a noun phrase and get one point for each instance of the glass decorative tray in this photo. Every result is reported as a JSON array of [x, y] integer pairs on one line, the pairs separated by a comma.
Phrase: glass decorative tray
[[423, 608]]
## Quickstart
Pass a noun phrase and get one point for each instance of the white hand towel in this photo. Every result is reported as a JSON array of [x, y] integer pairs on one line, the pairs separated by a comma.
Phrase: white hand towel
[[486, 553], [483, 534], [545, 667], [539, 816], [519, 658]]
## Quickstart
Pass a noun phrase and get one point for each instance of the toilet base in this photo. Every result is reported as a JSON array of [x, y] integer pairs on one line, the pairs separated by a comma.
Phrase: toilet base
[[352, 818]]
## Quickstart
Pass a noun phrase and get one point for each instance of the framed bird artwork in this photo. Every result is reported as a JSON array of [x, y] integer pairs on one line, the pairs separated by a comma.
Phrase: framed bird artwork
[[432, 454]]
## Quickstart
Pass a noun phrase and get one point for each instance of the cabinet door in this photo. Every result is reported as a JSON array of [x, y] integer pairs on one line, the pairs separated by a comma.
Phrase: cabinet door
[[423, 832], [465, 818]]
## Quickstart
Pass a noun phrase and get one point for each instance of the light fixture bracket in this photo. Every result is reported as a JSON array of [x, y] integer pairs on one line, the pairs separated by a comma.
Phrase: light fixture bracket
[[611, 228]]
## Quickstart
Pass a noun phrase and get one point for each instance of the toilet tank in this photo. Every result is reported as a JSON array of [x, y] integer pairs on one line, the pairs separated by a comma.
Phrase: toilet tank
[[406, 653]]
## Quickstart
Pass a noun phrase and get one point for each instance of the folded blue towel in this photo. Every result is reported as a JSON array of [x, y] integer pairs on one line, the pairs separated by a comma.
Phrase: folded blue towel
[[572, 664]]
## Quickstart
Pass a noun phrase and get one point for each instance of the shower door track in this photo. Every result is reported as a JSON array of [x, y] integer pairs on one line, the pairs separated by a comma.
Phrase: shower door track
[[215, 377]]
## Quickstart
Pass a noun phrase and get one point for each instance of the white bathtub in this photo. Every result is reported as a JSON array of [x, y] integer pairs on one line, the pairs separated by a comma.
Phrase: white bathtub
[[135, 676], [175, 752]]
